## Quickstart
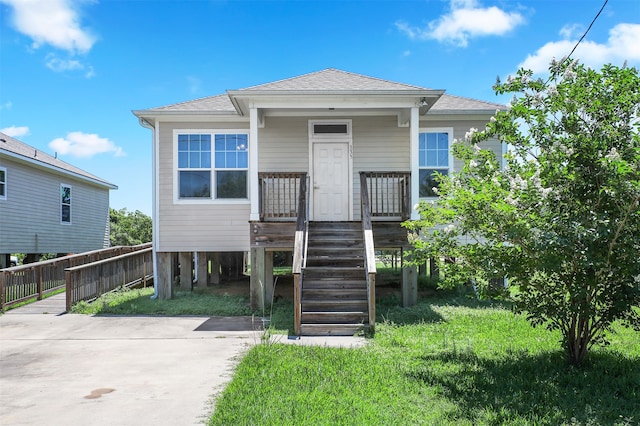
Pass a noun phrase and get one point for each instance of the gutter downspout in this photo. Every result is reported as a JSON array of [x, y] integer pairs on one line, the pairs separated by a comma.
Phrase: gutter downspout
[[154, 201]]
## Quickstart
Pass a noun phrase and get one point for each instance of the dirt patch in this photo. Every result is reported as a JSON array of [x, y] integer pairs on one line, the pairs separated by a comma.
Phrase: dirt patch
[[284, 288]]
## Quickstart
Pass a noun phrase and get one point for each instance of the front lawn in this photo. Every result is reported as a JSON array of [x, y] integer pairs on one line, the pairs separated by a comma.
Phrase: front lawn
[[449, 360]]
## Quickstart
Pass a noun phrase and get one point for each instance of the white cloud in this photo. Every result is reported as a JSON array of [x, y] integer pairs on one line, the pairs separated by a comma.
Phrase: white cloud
[[57, 64], [6, 105], [623, 45], [569, 31], [85, 145], [466, 20], [15, 131], [52, 22]]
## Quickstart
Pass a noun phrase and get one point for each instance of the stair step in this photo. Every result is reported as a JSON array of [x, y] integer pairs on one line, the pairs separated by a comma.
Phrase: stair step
[[326, 272], [333, 283], [357, 305], [326, 261], [335, 225], [320, 317], [334, 289], [330, 329], [334, 293]]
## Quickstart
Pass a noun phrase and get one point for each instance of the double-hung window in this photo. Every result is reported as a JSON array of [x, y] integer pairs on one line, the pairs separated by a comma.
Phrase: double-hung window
[[3, 183], [433, 152], [213, 165], [231, 164], [194, 166], [65, 204]]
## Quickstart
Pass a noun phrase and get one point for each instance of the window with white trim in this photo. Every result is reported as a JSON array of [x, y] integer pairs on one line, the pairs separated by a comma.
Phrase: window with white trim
[[231, 165], [433, 152], [3, 183], [194, 166], [65, 203], [213, 165]]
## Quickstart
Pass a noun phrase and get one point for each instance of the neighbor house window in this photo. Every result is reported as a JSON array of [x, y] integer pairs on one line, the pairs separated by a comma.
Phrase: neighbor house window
[[3, 183], [194, 166], [65, 203], [213, 165], [433, 151]]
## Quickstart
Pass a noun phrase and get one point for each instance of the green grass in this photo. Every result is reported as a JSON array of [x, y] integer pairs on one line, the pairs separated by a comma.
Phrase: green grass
[[450, 360], [139, 302]]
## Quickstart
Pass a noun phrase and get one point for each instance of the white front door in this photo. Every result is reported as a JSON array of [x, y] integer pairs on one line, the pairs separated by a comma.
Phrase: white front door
[[331, 181]]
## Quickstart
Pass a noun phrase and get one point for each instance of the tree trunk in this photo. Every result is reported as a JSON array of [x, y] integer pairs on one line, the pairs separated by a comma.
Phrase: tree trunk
[[578, 341]]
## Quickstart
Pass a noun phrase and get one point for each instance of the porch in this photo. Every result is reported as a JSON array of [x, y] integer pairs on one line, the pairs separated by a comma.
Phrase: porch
[[334, 262]]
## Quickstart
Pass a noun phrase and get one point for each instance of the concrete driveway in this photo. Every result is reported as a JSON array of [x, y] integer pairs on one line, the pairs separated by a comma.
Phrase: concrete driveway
[[67, 369]]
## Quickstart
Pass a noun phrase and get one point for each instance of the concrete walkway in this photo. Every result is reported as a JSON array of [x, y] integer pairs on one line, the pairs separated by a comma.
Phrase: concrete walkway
[[68, 369]]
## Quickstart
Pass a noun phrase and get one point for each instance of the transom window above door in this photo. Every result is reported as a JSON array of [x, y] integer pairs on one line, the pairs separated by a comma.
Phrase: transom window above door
[[329, 129]]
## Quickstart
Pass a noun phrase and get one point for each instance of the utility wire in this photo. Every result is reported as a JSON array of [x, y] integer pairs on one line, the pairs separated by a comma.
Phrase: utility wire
[[587, 31]]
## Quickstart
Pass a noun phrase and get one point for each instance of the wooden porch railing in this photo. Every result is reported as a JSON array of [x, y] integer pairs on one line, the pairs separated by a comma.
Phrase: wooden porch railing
[[91, 280], [34, 280], [369, 251], [301, 244], [278, 194], [389, 193]]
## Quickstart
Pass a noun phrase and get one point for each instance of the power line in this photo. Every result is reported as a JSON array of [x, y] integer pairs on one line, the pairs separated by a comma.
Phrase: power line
[[589, 28]]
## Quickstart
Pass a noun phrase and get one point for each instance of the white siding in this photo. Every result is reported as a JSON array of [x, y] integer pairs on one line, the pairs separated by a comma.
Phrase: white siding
[[460, 128], [30, 216], [197, 227], [379, 145], [284, 145]]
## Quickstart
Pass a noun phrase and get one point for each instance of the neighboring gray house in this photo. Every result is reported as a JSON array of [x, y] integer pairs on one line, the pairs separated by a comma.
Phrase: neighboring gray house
[[229, 169], [47, 205]]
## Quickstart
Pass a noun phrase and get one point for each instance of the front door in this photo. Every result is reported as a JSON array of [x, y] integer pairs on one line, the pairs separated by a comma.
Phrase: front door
[[331, 181]]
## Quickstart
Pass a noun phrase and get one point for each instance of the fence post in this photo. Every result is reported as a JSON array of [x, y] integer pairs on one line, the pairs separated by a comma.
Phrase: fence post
[[2, 295], [100, 280], [39, 281], [67, 279]]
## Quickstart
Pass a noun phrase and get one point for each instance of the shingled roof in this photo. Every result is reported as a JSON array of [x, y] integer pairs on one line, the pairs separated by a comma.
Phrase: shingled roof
[[14, 148], [330, 80]]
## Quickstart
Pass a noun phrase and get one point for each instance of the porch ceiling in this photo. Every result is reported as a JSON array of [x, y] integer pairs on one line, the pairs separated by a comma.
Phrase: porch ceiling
[[351, 102]]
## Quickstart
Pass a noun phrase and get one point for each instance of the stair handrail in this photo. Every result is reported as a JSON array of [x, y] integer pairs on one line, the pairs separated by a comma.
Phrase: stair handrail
[[369, 249], [300, 247]]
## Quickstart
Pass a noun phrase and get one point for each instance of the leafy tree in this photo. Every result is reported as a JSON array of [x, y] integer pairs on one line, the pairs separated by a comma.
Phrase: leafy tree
[[129, 228], [561, 220]]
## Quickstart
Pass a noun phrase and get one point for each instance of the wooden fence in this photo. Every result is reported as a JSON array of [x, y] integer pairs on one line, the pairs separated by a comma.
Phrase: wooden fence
[[86, 282], [34, 280]]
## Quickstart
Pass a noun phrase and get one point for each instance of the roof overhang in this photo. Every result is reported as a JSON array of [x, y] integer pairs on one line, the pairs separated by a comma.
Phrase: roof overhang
[[306, 102], [152, 116], [271, 101]]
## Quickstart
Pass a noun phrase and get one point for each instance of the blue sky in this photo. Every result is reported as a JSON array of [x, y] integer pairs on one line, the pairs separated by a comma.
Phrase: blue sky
[[71, 71]]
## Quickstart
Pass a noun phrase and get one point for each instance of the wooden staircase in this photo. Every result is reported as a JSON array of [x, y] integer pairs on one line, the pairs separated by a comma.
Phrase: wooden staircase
[[334, 287]]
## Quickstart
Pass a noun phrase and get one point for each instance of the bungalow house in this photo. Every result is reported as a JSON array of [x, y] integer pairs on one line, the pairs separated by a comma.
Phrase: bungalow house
[[48, 205], [325, 165]]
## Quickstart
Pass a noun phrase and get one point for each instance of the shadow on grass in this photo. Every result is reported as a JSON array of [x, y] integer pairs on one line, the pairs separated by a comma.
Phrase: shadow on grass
[[541, 388], [390, 309]]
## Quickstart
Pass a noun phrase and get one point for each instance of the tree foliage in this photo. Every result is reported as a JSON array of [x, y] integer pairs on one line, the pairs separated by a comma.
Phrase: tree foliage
[[561, 219], [129, 228]]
